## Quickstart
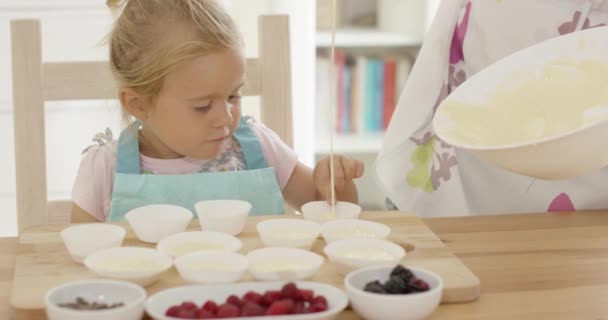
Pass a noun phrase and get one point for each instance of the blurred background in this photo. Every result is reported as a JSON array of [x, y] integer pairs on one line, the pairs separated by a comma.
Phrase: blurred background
[[377, 44]]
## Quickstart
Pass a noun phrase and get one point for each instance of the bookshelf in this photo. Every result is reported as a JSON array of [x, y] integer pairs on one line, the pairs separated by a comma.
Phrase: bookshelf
[[366, 34]]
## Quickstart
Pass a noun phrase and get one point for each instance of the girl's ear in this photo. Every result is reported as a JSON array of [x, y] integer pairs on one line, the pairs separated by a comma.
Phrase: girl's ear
[[133, 102]]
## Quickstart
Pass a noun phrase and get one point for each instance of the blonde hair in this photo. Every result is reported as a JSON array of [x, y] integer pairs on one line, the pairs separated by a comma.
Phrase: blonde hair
[[152, 37]]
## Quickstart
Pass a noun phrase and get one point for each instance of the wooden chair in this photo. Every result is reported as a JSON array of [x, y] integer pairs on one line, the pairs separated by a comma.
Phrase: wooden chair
[[34, 82]]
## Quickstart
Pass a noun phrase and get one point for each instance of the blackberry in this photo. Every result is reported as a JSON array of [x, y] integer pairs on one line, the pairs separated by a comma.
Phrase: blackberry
[[375, 287], [402, 272], [418, 285], [396, 285]]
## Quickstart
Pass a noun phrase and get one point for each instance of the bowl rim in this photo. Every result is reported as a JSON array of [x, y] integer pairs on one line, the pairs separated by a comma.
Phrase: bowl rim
[[181, 212], [351, 288], [141, 299]]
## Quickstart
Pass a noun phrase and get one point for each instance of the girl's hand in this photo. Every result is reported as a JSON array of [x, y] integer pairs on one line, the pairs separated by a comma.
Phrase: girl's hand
[[345, 171]]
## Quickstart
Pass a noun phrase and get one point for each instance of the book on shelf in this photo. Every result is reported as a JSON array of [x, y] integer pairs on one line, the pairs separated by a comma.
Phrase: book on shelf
[[367, 89]]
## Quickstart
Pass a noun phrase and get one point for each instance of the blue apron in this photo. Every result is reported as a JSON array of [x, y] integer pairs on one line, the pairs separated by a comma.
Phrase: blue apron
[[257, 185]]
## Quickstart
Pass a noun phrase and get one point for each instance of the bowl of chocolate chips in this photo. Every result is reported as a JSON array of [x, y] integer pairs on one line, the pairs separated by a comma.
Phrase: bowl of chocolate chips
[[95, 300], [393, 292]]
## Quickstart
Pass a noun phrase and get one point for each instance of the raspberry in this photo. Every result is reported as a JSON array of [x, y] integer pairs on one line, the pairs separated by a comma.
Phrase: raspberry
[[402, 272], [252, 297], [319, 304], [305, 295], [418, 285], [375, 287], [301, 308], [228, 310], [270, 297], [234, 300], [290, 291], [396, 285], [280, 307], [210, 306], [188, 305], [204, 314], [320, 299], [251, 309], [172, 312], [186, 314]]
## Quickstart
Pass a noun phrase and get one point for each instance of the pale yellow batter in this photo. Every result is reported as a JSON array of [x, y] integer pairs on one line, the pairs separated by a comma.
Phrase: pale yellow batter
[[194, 246], [354, 232], [563, 96], [130, 264]]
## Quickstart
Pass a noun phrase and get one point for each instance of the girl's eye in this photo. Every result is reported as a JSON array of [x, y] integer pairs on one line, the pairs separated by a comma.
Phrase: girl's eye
[[203, 108], [234, 97]]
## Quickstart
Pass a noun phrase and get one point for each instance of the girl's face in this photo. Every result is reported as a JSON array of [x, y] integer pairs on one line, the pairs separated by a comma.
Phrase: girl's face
[[198, 107]]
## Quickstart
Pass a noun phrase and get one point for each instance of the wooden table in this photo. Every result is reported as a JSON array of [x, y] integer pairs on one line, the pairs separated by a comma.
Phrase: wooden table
[[534, 266]]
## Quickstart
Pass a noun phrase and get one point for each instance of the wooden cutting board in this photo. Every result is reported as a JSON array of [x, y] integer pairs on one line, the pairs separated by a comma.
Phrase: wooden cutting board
[[43, 262]]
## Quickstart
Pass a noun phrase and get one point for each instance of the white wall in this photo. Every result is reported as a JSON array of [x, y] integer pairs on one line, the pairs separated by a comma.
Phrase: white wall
[[72, 30], [302, 27], [302, 16]]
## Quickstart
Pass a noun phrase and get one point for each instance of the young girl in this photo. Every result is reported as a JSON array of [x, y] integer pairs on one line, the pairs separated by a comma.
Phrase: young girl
[[180, 67], [426, 176]]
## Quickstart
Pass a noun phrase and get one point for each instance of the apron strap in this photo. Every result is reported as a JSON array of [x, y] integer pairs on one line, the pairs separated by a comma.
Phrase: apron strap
[[127, 150], [252, 149]]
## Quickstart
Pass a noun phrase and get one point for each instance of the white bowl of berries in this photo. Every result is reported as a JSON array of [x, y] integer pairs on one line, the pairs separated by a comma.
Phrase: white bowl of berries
[[393, 293], [249, 300]]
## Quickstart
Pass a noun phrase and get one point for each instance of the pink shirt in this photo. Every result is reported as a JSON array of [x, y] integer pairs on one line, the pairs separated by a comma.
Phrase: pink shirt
[[95, 180]]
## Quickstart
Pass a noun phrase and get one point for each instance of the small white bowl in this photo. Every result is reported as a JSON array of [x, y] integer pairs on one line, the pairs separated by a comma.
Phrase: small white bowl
[[351, 254], [373, 306], [154, 222], [320, 211], [227, 216], [353, 229], [100, 291], [157, 305], [291, 233], [194, 241], [139, 265], [269, 264], [82, 240], [212, 267]]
